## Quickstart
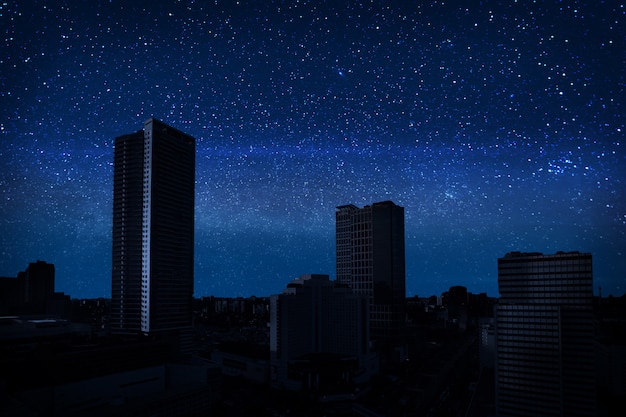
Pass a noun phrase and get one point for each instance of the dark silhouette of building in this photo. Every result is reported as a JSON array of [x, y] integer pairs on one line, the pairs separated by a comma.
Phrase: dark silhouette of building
[[153, 230], [38, 282], [371, 260], [456, 300], [545, 335], [318, 334], [32, 292]]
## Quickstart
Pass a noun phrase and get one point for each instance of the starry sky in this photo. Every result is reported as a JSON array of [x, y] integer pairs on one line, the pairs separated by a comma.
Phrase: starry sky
[[497, 125]]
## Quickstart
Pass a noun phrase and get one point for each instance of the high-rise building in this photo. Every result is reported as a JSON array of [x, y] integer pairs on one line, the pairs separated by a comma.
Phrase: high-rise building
[[371, 260], [544, 335], [153, 230]]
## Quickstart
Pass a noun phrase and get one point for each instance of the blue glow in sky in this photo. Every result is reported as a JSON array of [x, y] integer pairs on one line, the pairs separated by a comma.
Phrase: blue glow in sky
[[499, 126]]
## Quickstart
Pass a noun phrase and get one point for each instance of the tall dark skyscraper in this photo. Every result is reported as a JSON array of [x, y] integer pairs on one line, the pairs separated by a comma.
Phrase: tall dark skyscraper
[[153, 230], [371, 260], [545, 335]]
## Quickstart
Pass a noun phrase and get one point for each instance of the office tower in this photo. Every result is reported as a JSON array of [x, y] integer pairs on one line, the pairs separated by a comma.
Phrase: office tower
[[315, 323], [153, 230], [370, 259], [544, 335]]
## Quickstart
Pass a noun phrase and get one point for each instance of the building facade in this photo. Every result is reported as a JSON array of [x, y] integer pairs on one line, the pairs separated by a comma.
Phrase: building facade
[[153, 230], [371, 261], [544, 335], [315, 319]]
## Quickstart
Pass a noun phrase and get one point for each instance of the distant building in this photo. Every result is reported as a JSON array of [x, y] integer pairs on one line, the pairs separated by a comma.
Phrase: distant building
[[318, 333], [38, 282], [456, 300], [544, 335], [371, 261], [32, 292], [153, 230]]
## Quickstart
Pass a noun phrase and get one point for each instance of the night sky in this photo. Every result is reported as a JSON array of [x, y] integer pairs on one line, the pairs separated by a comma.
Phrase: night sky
[[499, 126]]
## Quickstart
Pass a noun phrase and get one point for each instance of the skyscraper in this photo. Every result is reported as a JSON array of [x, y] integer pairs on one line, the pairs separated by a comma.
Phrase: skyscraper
[[371, 260], [544, 335], [153, 230]]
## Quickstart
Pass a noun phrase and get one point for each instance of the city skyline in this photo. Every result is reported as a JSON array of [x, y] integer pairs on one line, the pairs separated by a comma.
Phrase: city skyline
[[498, 127]]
